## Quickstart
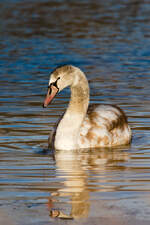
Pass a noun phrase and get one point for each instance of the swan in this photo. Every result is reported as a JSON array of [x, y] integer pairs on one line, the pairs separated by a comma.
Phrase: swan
[[83, 125]]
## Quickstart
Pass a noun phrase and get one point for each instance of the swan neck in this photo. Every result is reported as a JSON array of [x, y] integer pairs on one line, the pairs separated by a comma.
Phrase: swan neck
[[79, 95], [68, 128]]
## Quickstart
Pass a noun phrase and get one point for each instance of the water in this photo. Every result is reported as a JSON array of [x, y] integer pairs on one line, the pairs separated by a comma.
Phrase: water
[[110, 42]]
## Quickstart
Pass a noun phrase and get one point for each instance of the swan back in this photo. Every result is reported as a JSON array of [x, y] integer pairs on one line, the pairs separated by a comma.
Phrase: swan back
[[104, 125]]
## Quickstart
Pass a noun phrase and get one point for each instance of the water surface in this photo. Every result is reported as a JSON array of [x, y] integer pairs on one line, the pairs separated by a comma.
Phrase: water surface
[[110, 42]]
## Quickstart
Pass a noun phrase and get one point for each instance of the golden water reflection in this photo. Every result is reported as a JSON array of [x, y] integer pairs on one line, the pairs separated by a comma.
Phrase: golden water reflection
[[77, 168]]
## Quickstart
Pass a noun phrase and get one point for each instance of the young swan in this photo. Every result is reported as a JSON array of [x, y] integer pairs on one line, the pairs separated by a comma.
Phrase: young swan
[[82, 126]]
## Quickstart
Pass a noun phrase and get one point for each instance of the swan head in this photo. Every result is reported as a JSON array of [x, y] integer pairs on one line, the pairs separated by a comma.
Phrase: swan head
[[60, 78]]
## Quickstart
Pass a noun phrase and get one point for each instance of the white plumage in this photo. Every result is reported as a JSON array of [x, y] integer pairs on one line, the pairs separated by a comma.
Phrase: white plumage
[[84, 126]]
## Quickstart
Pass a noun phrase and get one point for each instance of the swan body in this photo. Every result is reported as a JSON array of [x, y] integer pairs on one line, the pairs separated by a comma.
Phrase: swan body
[[84, 126]]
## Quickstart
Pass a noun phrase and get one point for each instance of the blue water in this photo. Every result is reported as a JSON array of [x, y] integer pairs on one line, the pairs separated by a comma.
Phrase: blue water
[[110, 42]]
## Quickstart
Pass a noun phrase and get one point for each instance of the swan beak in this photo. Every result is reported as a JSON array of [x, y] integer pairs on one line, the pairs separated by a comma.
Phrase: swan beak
[[52, 91]]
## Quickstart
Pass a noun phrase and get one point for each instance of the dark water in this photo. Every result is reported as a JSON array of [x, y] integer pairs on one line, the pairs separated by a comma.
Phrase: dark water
[[110, 42]]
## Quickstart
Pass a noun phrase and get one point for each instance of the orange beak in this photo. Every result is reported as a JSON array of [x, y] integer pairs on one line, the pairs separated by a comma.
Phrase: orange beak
[[52, 91]]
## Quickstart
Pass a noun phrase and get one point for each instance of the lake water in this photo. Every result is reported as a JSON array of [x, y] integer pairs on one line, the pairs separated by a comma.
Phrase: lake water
[[110, 42]]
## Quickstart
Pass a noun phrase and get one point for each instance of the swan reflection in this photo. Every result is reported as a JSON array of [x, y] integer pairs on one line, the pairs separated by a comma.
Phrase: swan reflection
[[76, 168]]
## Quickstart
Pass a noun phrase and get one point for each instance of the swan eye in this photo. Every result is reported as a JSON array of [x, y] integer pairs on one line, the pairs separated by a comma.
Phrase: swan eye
[[53, 84]]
